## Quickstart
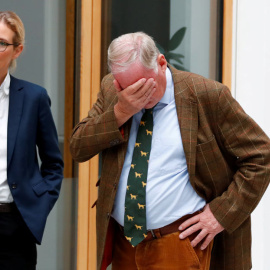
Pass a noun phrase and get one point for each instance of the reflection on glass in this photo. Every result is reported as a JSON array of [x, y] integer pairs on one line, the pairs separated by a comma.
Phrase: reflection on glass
[[186, 32]]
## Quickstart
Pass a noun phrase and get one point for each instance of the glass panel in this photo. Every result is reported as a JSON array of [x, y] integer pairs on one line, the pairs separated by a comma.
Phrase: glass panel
[[187, 32], [43, 63]]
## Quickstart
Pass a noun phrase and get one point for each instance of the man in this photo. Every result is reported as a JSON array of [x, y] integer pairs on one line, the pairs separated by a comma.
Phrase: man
[[207, 170]]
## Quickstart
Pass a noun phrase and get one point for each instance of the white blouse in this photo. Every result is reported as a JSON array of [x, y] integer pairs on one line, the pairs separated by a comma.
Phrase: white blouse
[[5, 194]]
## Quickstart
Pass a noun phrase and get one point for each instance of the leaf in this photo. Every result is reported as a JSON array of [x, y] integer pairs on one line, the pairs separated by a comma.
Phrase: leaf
[[178, 61], [179, 67], [160, 48], [177, 39], [175, 56]]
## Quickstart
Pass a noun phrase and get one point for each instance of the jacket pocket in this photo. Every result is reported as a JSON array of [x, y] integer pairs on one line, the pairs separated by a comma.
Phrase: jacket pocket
[[213, 174], [40, 188], [207, 146]]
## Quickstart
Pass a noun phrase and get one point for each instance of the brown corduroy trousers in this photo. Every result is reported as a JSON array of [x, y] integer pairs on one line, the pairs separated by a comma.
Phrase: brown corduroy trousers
[[165, 253]]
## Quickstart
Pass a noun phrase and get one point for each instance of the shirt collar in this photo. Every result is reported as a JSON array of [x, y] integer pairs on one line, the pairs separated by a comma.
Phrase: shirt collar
[[169, 92], [5, 85]]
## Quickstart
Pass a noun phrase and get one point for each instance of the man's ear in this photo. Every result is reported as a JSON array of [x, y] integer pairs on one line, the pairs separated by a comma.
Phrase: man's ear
[[162, 62], [18, 50]]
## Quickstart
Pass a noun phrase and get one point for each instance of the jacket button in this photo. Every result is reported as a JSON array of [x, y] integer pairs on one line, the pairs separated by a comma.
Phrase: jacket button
[[114, 142], [108, 215], [14, 186], [114, 185]]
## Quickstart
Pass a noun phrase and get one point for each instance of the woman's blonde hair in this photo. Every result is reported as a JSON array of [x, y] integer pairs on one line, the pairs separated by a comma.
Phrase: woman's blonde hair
[[129, 48], [14, 23]]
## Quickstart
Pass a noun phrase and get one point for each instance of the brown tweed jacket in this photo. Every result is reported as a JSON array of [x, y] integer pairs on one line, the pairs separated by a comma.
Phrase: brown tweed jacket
[[227, 153]]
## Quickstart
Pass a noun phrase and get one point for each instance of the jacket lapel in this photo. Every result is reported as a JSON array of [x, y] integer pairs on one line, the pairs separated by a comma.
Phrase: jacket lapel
[[123, 147], [16, 96], [187, 112]]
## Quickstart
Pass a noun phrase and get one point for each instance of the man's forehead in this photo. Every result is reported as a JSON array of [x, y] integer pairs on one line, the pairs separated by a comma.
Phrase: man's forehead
[[132, 75]]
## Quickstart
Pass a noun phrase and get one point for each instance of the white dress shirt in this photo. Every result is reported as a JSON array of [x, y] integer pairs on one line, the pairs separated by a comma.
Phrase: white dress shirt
[[5, 194], [169, 194]]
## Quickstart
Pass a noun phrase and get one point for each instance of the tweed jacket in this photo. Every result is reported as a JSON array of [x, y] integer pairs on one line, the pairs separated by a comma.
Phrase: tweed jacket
[[227, 153]]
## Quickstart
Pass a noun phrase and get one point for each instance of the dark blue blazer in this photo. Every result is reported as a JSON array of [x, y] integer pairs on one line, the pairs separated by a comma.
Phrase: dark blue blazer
[[31, 129]]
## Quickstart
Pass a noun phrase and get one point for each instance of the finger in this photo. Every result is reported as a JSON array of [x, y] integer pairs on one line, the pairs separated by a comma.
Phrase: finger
[[189, 222], [149, 90], [199, 238], [151, 93], [147, 87], [207, 241], [117, 85], [136, 86], [148, 98], [190, 231]]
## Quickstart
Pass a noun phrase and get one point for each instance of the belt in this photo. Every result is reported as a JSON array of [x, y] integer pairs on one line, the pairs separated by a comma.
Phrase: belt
[[7, 207], [170, 228]]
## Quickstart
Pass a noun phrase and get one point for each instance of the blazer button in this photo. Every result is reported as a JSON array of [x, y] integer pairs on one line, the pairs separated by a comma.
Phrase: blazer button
[[14, 186], [108, 215], [114, 185], [114, 142]]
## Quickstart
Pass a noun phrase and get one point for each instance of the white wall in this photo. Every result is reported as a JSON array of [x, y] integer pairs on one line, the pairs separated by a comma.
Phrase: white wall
[[251, 74]]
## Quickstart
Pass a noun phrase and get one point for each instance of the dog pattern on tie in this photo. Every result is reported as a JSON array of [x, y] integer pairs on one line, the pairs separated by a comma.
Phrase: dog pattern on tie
[[135, 204]]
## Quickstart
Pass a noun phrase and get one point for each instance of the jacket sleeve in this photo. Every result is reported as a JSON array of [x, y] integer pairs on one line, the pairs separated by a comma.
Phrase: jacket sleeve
[[243, 139], [47, 141], [99, 129]]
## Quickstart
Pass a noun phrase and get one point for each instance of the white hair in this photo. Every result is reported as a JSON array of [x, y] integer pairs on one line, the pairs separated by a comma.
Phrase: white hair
[[132, 47]]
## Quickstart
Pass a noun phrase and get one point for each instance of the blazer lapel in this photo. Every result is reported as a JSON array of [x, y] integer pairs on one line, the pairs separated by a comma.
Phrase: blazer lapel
[[123, 147], [187, 112], [16, 96]]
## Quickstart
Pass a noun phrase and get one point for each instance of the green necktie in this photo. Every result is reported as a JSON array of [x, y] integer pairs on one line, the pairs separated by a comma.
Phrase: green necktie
[[135, 204]]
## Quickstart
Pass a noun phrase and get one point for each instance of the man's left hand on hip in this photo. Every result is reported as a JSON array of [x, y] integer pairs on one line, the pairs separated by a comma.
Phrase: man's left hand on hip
[[204, 222]]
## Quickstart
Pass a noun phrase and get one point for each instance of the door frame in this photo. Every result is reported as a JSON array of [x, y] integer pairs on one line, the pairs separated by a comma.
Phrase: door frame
[[85, 15], [88, 171], [227, 42]]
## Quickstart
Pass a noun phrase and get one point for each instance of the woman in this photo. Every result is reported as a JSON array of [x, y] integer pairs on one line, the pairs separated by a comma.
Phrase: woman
[[27, 191]]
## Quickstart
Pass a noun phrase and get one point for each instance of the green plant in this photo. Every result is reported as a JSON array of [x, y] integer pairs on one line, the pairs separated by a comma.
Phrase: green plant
[[174, 43]]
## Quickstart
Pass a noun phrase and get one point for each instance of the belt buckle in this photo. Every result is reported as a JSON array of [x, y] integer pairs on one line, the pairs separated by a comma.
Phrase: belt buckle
[[153, 234], [4, 204]]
